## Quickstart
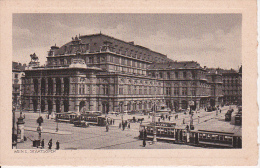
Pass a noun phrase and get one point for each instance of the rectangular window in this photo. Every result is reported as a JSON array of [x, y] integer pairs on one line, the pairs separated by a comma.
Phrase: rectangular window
[[184, 74], [91, 60], [121, 90], [168, 75], [129, 90], [176, 75], [193, 92], [111, 59], [184, 91], [140, 90], [129, 62], [168, 91], [105, 89]]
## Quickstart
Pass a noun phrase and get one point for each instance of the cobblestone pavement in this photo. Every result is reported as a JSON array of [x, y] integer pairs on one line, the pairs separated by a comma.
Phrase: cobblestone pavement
[[95, 137]]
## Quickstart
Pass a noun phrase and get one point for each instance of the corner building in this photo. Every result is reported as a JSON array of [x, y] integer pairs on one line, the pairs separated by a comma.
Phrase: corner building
[[100, 73]]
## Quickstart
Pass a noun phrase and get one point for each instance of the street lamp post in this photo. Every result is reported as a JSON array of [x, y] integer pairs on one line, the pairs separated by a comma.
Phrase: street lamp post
[[154, 124]]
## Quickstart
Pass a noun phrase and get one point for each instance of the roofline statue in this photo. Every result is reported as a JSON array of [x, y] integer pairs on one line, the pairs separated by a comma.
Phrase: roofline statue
[[34, 58]]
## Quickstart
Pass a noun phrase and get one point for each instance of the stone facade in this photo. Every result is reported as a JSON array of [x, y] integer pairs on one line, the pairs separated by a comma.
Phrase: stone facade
[[100, 73]]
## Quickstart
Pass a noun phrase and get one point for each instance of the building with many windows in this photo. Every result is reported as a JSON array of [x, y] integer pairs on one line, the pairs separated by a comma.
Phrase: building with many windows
[[17, 73], [232, 86], [100, 73]]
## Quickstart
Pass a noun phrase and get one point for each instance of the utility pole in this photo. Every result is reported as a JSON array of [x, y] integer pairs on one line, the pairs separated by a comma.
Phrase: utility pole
[[154, 122]]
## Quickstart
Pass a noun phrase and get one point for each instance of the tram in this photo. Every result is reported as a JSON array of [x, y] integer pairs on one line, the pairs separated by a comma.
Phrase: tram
[[192, 137], [214, 138], [164, 132], [66, 116], [91, 117]]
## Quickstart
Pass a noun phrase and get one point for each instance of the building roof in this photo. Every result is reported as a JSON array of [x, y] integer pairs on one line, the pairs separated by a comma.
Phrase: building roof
[[175, 65], [83, 39], [227, 71], [18, 66]]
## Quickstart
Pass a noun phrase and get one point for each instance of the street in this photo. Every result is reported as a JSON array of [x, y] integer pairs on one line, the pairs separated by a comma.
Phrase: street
[[95, 137]]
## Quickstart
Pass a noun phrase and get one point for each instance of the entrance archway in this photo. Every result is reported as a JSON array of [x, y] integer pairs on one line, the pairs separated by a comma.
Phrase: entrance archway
[[58, 86], [42, 105], [58, 110], [50, 86], [35, 84], [35, 104], [81, 105], [43, 86], [105, 107], [212, 102], [66, 86], [176, 106], [66, 105], [184, 104], [50, 106]]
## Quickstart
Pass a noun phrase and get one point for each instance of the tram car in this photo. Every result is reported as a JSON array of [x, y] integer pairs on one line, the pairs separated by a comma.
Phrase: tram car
[[66, 116], [217, 139], [163, 132], [203, 138]]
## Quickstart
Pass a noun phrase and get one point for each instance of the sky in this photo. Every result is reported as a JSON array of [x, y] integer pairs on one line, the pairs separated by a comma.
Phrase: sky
[[213, 40]]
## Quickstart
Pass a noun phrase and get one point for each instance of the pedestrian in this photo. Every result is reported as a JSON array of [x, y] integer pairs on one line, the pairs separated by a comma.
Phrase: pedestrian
[[113, 122], [166, 116], [219, 110], [169, 118], [50, 144], [107, 128], [42, 143], [144, 138], [159, 119], [120, 125], [128, 125], [183, 121], [123, 126], [57, 145]]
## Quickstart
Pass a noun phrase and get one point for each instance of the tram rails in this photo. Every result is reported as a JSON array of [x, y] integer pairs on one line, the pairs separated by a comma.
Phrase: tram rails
[[191, 137]]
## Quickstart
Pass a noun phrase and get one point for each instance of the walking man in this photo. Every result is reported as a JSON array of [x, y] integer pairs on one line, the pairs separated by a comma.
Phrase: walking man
[[144, 138], [50, 144], [107, 128], [57, 145], [42, 143]]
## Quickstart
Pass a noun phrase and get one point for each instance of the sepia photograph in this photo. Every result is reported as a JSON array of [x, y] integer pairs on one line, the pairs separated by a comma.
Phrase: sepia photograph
[[127, 81]]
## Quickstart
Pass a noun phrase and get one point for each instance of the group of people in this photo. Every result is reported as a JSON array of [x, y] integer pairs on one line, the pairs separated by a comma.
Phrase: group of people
[[50, 144], [124, 124]]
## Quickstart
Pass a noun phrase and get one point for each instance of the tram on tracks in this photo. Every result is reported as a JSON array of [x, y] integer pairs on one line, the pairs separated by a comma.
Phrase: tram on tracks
[[164, 131], [190, 137], [91, 117], [214, 138]]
